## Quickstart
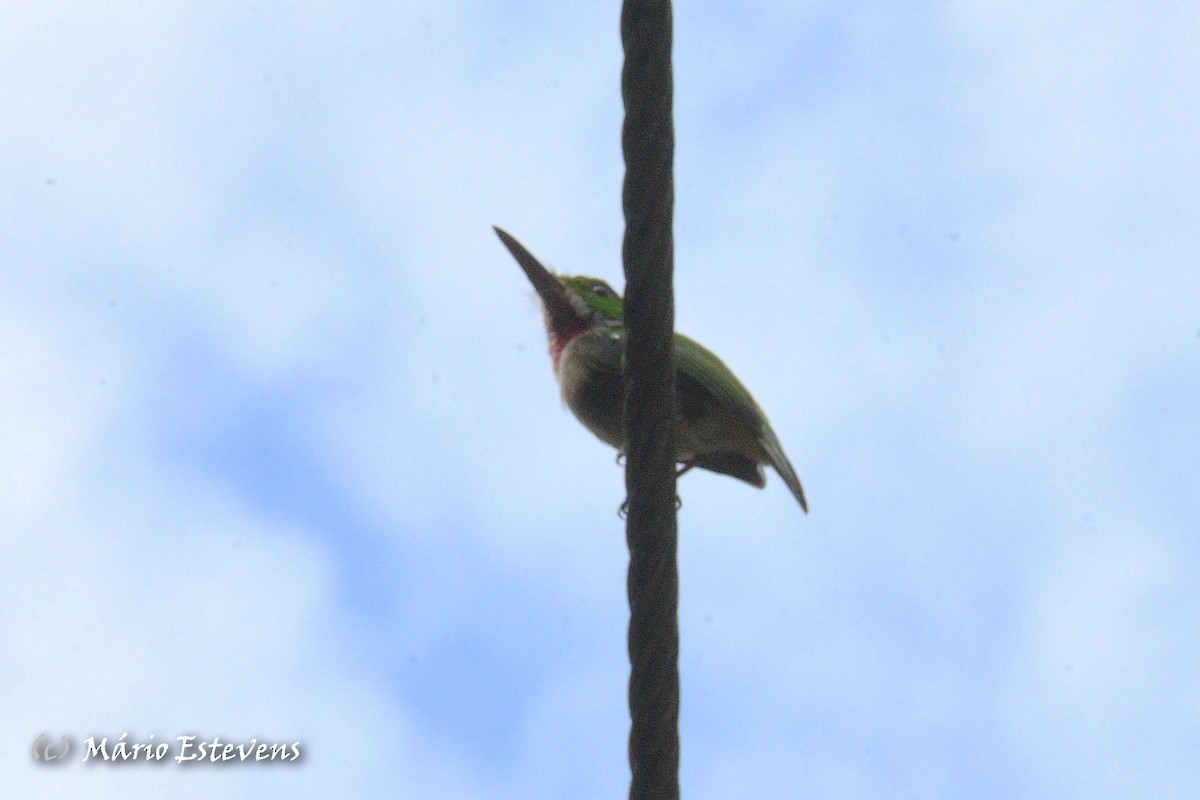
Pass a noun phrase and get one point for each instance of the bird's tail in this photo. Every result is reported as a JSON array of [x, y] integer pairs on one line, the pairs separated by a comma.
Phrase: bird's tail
[[779, 461]]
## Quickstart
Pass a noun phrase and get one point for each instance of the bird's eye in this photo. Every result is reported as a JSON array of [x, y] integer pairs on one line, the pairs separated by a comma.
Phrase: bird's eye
[[604, 290]]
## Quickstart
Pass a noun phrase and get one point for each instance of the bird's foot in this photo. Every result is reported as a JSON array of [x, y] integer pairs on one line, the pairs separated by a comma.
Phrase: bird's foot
[[623, 509]]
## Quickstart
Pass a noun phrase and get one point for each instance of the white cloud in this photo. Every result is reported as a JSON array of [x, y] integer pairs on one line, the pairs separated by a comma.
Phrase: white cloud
[[952, 264]]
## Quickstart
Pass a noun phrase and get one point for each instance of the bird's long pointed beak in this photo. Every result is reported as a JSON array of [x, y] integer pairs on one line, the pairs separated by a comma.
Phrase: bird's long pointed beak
[[548, 287]]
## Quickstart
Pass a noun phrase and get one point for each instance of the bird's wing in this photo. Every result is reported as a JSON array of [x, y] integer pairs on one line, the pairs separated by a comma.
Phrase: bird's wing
[[711, 397], [706, 386]]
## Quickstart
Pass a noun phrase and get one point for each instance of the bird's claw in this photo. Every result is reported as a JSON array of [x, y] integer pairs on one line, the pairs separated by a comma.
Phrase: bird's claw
[[623, 509]]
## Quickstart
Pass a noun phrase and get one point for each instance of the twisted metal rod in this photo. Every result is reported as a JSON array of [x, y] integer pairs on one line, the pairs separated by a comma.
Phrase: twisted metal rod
[[648, 198]]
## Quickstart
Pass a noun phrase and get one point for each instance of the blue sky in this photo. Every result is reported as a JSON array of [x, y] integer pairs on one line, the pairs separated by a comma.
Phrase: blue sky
[[284, 458]]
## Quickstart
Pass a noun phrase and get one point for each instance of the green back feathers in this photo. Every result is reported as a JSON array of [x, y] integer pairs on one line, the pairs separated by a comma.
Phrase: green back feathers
[[700, 371]]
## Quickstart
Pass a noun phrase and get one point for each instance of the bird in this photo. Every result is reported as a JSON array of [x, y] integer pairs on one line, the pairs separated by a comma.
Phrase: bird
[[719, 426]]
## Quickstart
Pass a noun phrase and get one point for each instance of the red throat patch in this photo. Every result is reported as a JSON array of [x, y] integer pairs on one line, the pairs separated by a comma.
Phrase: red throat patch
[[562, 325]]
